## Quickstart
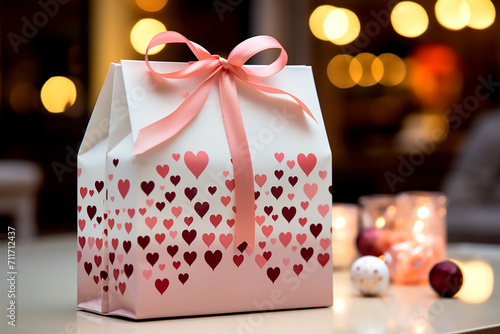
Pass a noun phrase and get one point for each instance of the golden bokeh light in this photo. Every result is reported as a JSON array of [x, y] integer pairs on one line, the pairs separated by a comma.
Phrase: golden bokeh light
[[58, 94], [20, 97], [317, 20], [380, 222], [151, 5], [336, 24], [452, 14], [388, 69], [352, 30], [409, 19], [361, 69], [482, 14], [338, 71], [339, 223], [478, 282], [143, 31]]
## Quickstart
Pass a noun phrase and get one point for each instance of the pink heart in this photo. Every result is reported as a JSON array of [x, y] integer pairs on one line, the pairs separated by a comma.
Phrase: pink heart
[[310, 190], [208, 239], [185, 94], [273, 241], [161, 266], [128, 227], [279, 156], [290, 163], [260, 179], [285, 238], [249, 250], [168, 223], [226, 239], [225, 173], [304, 205], [172, 234], [291, 196], [79, 172], [322, 174], [81, 224], [260, 260], [151, 222], [307, 163], [176, 211], [301, 238], [118, 226], [225, 200], [147, 273], [260, 220], [323, 209], [150, 202], [267, 230], [196, 163], [325, 243], [286, 261], [176, 156], [120, 258], [110, 177]]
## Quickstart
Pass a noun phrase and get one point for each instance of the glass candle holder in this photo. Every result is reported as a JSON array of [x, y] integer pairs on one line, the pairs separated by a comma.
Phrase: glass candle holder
[[345, 219], [377, 211], [419, 235]]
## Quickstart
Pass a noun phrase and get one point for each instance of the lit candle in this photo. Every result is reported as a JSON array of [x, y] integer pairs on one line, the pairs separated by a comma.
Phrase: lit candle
[[344, 232]]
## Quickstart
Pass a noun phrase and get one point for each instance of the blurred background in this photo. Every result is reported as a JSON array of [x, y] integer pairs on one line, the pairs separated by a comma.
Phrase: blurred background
[[400, 83]]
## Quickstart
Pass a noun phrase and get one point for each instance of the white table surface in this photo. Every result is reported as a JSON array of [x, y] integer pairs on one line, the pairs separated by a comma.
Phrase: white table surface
[[46, 302]]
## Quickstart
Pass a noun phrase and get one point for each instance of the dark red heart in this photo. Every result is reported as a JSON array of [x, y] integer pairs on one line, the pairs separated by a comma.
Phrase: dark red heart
[[172, 250], [257, 195], [169, 196], [189, 236], [273, 273], [147, 187], [183, 278], [316, 229], [111, 256], [88, 267], [190, 192], [160, 205], [128, 269], [288, 213], [175, 179], [277, 191], [268, 210], [143, 241], [91, 211], [115, 162], [278, 174], [152, 258], [81, 241], [267, 255], [213, 258], [201, 208], [189, 257], [297, 268], [238, 259], [127, 245], [99, 185], [212, 190], [293, 180], [307, 253]]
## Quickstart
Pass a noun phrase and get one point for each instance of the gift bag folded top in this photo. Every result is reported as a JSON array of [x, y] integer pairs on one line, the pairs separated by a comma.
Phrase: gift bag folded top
[[210, 191]]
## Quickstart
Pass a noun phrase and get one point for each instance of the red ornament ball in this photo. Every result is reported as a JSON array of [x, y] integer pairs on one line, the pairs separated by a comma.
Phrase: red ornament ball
[[372, 241], [446, 278]]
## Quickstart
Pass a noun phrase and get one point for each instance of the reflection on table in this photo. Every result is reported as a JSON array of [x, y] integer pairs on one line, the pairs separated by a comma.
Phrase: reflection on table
[[46, 286]]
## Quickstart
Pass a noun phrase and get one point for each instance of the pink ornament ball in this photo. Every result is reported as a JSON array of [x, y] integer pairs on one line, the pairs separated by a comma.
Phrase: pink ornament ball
[[446, 278]]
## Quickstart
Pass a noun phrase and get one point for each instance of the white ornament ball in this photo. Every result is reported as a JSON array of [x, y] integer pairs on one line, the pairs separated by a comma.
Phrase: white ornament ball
[[369, 275]]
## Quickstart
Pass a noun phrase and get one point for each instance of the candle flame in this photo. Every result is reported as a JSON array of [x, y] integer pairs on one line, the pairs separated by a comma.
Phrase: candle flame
[[418, 226], [423, 212], [339, 223], [380, 222]]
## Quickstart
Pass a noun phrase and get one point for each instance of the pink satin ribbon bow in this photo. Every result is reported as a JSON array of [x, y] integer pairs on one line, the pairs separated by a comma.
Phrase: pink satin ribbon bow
[[225, 71]]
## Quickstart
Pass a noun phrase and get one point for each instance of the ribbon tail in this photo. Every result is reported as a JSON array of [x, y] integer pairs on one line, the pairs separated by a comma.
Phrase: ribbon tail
[[167, 127], [242, 161]]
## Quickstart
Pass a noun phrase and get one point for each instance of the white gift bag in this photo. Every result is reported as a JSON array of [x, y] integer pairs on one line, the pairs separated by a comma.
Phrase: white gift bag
[[204, 188]]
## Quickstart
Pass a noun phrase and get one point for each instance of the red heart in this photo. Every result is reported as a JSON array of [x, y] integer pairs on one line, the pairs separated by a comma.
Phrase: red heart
[[323, 258], [161, 285], [162, 170], [188, 220], [123, 187], [160, 237], [215, 220], [176, 156], [225, 200], [297, 268], [81, 241], [238, 259], [208, 239], [285, 238], [168, 223], [302, 221], [230, 222]]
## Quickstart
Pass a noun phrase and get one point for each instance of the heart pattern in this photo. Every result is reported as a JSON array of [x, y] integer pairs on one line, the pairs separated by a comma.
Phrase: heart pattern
[[159, 240]]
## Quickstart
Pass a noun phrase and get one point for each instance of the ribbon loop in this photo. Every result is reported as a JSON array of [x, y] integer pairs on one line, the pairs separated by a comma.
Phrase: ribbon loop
[[225, 71]]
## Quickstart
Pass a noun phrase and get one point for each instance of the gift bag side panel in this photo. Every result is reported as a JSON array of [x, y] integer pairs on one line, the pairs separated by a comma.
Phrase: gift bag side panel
[[92, 210]]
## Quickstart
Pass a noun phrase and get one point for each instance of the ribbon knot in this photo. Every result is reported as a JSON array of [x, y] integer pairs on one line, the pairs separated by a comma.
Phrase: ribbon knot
[[225, 71]]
